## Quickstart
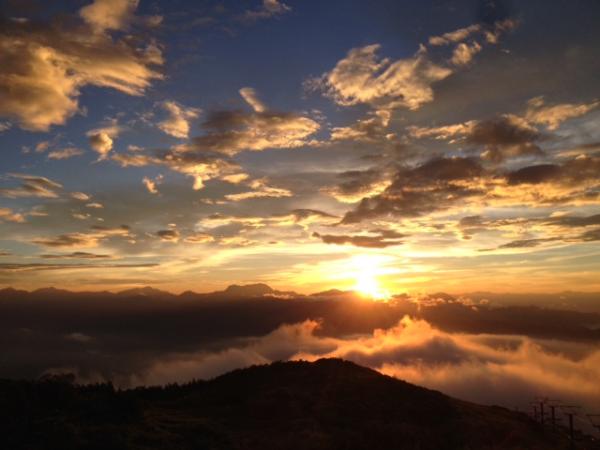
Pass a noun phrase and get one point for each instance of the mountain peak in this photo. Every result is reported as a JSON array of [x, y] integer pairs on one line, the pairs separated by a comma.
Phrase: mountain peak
[[146, 291], [329, 403], [248, 290]]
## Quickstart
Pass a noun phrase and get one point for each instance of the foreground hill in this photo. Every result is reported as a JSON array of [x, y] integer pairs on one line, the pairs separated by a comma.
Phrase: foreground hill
[[329, 404]]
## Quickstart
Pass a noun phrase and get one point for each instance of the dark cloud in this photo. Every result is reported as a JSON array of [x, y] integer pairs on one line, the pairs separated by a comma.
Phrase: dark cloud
[[75, 255], [575, 221], [434, 185], [230, 132], [381, 239], [586, 236], [356, 184], [527, 243], [301, 214], [33, 267], [572, 171], [534, 174], [505, 136], [591, 235], [171, 235]]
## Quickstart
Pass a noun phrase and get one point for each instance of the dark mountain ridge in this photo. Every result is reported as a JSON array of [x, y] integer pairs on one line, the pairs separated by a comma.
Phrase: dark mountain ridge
[[329, 404]]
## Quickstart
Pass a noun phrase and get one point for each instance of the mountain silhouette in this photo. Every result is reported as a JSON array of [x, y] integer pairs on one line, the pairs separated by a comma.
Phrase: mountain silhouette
[[328, 404], [247, 290], [145, 291]]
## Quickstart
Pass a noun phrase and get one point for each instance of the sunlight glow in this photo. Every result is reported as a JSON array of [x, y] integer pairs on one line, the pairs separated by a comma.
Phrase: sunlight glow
[[367, 282]]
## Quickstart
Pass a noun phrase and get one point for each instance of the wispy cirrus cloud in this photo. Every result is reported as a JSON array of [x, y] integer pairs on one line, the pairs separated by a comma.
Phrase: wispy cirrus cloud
[[65, 153], [88, 239], [268, 9], [32, 186]]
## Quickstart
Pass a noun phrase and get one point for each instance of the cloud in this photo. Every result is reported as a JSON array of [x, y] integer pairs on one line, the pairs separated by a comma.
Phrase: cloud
[[526, 243], [574, 172], [228, 133], [75, 255], [251, 97], [101, 142], [65, 153], [361, 77], [32, 186], [47, 65], [310, 216], [381, 239], [591, 235], [575, 221], [297, 217], [177, 123], [434, 185], [80, 196], [151, 184], [454, 36], [42, 146], [37, 267], [8, 215], [507, 136], [185, 159], [281, 344], [84, 240], [102, 139], [491, 33], [507, 371], [199, 238], [357, 184], [372, 129], [261, 189], [445, 132], [231, 132], [502, 137], [553, 115], [268, 9], [170, 235], [464, 53], [104, 15]]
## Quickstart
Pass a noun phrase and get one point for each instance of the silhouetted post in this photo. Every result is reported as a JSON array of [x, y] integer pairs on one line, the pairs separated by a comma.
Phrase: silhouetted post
[[571, 431], [553, 416], [534, 412], [542, 412]]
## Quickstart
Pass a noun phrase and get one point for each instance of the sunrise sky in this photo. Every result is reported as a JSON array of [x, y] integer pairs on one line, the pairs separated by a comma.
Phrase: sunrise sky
[[386, 146]]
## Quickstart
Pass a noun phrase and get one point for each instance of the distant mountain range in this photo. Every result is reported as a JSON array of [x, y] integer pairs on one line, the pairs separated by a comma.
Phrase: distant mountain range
[[329, 404], [233, 291]]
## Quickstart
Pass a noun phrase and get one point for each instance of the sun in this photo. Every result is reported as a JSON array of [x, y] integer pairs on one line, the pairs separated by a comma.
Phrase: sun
[[367, 283]]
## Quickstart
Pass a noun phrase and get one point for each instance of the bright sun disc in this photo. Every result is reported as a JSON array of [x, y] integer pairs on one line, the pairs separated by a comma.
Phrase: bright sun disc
[[366, 281]]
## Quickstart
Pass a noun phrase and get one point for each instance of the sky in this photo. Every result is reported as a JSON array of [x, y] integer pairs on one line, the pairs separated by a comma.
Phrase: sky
[[384, 146]]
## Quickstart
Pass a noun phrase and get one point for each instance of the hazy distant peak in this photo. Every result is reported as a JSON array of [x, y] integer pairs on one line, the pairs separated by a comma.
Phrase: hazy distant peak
[[145, 291]]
